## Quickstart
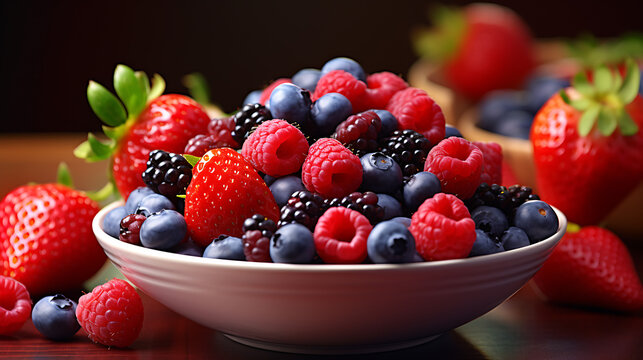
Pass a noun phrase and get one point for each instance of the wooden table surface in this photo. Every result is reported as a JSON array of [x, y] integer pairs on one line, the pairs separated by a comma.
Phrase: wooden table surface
[[523, 327]]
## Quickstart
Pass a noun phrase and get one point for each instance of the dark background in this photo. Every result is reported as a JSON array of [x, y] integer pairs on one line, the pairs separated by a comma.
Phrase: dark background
[[50, 50]]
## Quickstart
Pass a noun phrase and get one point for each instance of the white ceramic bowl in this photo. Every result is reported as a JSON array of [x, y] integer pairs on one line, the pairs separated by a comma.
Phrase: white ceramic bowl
[[325, 308]]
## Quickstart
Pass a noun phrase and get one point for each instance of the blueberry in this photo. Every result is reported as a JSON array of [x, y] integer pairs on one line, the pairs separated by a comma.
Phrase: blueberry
[[514, 238], [346, 64], [252, 97], [292, 243], [515, 124], [135, 197], [55, 317], [285, 186], [381, 174], [291, 103], [153, 203], [225, 247], [392, 207], [490, 220], [419, 187], [390, 242], [484, 245], [328, 112], [496, 104], [537, 219], [406, 221], [450, 131], [111, 223], [389, 122], [163, 230], [540, 88], [268, 179], [306, 79], [188, 247]]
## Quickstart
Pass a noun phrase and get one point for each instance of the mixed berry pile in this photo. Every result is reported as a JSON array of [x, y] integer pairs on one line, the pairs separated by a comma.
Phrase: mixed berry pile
[[331, 166]]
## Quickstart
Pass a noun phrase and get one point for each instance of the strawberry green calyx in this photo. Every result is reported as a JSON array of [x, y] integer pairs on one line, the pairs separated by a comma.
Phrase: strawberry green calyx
[[590, 52], [441, 42], [117, 112], [193, 160], [602, 102], [64, 178]]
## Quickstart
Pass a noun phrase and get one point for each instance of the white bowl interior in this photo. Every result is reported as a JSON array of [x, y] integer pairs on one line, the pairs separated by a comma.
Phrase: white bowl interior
[[322, 307]]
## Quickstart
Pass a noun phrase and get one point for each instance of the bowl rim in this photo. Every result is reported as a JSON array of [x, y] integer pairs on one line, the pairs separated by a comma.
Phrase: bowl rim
[[157, 256]]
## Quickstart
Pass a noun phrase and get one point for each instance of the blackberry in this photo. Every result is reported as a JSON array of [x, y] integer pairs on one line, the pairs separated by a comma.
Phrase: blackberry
[[505, 199], [365, 203], [408, 148], [246, 119], [167, 174], [304, 208], [257, 231], [359, 132]]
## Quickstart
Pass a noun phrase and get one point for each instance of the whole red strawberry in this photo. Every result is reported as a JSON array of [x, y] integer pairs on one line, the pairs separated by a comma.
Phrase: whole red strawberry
[[591, 268], [225, 190], [588, 146], [46, 239], [481, 47], [141, 121]]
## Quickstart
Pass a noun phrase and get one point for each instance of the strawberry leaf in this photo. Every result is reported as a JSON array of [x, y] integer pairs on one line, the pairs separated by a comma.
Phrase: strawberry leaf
[[100, 149], [587, 119], [64, 176], [129, 89], [603, 79], [197, 87], [115, 133], [105, 105], [630, 87], [145, 81], [606, 121], [84, 151], [158, 86], [103, 193], [581, 104], [626, 125], [193, 160], [582, 84]]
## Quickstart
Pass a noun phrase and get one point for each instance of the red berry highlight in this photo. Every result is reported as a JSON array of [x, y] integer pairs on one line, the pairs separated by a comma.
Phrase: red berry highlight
[[276, 148], [331, 170], [340, 236], [443, 228], [458, 164], [112, 314]]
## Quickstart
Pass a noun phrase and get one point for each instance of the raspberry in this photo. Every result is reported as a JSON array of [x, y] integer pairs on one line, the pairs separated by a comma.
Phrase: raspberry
[[330, 169], [131, 228], [339, 81], [381, 88], [246, 119], [458, 164], [265, 93], [359, 132], [112, 314], [257, 231], [492, 167], [167, 173], [276, 148], [415, 110], [443, 228], [15, 305], [340, 236], [221, 129], [303, 208]]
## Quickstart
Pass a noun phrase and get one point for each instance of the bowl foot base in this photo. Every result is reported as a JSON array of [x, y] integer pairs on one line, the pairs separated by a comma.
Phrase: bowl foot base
[[330, 350]]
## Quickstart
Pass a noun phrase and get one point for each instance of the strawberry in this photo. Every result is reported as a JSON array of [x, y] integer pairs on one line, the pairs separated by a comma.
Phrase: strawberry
[[141, 121], [592, 268], [588, 149], [46, 238], [481, 47], [225, 190]]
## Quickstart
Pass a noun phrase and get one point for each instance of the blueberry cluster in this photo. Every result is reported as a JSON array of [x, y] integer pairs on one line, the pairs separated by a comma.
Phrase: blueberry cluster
[[511, 112]]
